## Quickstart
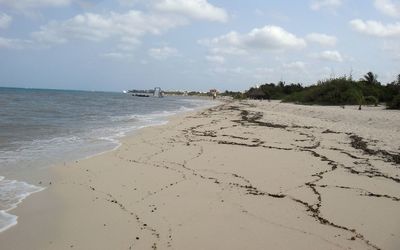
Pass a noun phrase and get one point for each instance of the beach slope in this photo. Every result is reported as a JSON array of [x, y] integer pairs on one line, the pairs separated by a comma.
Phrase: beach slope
[[242, 175]]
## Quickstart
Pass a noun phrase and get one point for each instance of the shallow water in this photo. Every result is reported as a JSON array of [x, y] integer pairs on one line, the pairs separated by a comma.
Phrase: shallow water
[[39, 128]]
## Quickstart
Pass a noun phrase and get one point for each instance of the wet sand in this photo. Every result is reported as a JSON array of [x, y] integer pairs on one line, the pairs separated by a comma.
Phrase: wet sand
[[243, 175]]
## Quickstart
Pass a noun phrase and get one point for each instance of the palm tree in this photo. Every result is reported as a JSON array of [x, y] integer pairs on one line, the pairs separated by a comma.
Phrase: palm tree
[[370, 78]]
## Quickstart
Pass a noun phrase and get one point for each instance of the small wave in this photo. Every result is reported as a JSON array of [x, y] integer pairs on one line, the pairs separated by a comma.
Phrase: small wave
[[29, 150], [7, 220], [77, 139], [124, 118], [41, 144], [12, 193], [185, 109]]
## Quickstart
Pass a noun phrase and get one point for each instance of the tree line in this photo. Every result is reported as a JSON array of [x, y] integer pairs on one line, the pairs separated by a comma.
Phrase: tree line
[[334, 91]]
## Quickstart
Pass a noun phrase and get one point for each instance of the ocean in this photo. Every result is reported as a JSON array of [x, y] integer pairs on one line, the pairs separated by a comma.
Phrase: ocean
[[39, 128]]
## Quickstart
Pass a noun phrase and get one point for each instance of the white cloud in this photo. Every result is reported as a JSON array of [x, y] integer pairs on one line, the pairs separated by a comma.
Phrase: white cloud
[[322, 39], [330, 55], [128, 43], [264, 70], [199, 9], [298, 66], [273, 38], [10, 43], [268, 38], [375, 28], [233, 70], [127, 28], [5, 20], [320, 4], [163, 52], [194, 9], [388, 7], [33, 4], [115, 55], [227, 50], [215, 59], [262, 73]]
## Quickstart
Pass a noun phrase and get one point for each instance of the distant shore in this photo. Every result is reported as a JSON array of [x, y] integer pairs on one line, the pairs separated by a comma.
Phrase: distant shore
[[242, 175]]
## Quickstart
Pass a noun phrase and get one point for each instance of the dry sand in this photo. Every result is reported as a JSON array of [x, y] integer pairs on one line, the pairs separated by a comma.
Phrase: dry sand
[[248, 175]]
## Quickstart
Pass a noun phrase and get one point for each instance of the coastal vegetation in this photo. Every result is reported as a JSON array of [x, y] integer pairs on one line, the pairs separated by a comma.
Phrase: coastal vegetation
[[334, 91], [343, 90]]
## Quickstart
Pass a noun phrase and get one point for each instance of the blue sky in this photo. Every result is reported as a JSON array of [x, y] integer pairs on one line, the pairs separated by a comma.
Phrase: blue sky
[[194, 44]]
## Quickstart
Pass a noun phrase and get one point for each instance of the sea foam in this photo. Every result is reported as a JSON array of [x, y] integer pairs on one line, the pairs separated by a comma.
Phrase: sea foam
[[41, 128], [12, 193]]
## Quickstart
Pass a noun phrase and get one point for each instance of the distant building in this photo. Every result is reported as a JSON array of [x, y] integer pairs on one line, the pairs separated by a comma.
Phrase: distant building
[[158, 92], [213, 93]]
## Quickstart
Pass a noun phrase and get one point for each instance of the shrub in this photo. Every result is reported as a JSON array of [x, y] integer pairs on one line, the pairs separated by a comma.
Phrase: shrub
[[395, 103], [371, 100], [335, 91]]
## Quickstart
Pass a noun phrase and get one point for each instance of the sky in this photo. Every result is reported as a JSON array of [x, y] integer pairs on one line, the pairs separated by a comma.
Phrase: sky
[[194, 44]]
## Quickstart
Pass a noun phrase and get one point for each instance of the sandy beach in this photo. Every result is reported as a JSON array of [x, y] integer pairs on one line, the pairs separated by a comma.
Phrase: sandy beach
[[242, 175]]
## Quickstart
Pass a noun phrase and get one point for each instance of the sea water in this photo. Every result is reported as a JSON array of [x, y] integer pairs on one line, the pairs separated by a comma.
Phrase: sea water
[[39, 128]]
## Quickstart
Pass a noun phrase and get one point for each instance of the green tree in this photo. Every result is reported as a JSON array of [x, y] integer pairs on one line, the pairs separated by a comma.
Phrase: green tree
[[370, 78]]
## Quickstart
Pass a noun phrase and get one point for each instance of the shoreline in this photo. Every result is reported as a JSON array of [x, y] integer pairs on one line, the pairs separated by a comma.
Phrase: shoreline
[[237, 171], [51, 174], [35, 181]]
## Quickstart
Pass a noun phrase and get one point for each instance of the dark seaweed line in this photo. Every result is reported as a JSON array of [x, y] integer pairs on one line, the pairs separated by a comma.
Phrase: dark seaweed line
[[358, 142], [143, 226], [362, 191], [254, 119], [316, 214], [247, 118]]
